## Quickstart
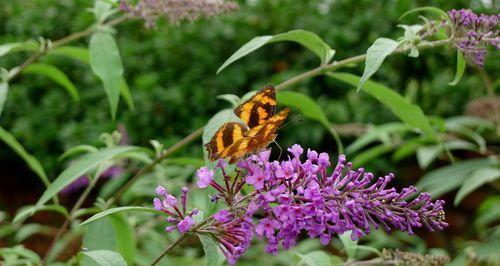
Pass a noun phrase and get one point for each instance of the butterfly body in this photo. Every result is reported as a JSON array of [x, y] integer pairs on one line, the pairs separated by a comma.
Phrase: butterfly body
[[235, 140]]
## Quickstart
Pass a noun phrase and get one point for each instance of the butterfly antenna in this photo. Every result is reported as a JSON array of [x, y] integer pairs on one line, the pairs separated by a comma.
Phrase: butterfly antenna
[[279, 147], [295, 120]]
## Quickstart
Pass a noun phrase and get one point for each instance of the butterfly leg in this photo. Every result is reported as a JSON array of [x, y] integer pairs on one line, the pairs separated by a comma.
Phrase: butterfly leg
[[279, 147]]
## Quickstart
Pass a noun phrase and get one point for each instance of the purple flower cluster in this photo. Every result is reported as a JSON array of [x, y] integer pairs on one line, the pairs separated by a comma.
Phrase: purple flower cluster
[[168, 204], [234, 233], [474, 32], [294, 196], [297, 196], [176, 10]]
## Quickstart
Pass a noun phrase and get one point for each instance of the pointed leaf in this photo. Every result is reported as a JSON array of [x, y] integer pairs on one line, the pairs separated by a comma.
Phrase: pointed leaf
[[307, 39], [80, 167], [213, 255], [477, 178], [409, 113], [309, 108], [460, 69], [56, 75], [375, 56], [107, 65], [32, 162]]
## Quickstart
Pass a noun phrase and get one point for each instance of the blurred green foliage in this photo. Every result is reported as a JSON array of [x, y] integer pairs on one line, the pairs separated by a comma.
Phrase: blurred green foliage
[[171, 72]]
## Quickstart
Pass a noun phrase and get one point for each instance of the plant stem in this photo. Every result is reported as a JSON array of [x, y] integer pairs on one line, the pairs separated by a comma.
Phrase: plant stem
[[77, 205], [179, 240]]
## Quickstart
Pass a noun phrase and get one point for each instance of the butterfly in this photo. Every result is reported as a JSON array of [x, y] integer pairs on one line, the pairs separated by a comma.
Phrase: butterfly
[[235, 140]]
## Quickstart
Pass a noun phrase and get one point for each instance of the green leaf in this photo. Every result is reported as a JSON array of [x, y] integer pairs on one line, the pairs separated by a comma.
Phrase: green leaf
[[99, 235], [231, 98], [377, 133], [32, 162], [305, 38], [124, 237], [18, 47], [78, 149], [28, 210], [80, 167], [375, 56], [309, 108], [22, 252], [55, 75], [213, 255], [118, 210], [105, 257], [450, 177], [79, 53], [428, 154], [348, 244], [460, 69], [4, 90], [478, 178], [125, 93], [409, 113], [315, 258], [106, 63]]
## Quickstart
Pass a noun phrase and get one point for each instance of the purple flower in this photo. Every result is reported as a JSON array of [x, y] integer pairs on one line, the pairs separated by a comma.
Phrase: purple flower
[[185, 224], [222, 216], [324, 205], [292, 197], [167, 203], [474, 33], [296, 150], [205, 177], [161, 191], [175, 11]]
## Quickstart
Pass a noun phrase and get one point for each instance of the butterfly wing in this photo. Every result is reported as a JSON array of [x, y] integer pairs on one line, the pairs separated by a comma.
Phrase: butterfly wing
[[260, 136], [259, 108], [228, 134]]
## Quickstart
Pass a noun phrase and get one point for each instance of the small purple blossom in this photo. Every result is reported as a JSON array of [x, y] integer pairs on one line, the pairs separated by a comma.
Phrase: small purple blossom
[[185, 224], [473, 33], [175, 10], [205, 177]]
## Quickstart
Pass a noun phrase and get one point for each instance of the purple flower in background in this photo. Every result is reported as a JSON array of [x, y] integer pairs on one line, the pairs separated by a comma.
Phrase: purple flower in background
[[473, 33], [81, 182], [174, 11]]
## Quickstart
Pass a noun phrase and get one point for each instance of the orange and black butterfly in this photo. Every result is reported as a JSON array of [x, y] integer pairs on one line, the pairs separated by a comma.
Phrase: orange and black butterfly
[[235, 140]]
